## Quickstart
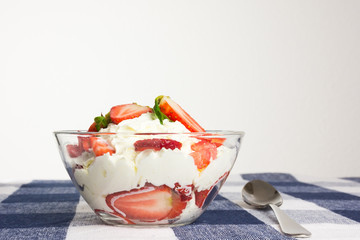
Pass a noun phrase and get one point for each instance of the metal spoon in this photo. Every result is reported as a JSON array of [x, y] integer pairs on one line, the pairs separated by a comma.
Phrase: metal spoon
[[261, 194]]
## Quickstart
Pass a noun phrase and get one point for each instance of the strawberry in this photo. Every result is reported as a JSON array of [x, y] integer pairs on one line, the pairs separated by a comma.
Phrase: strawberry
[[178, 206], [185, 192], [74, 150], [127, 111], [166, 106], [156, 144], [218, 141], [101, 146], [84, 143], [92, 128], [200, 197], [147, 204], [204, 151]]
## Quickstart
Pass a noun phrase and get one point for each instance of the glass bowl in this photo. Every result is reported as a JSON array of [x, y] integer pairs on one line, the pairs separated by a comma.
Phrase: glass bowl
[[148, 179]]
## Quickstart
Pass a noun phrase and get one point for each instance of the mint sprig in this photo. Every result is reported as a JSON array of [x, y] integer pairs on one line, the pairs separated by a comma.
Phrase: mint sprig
[[157, 110], [102, 121]]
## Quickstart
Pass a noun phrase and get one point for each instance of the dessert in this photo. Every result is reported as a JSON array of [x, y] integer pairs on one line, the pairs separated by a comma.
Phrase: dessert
[[142, 165]]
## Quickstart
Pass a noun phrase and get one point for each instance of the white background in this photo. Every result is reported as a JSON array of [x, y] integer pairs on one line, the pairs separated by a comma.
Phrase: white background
[[285, 72]]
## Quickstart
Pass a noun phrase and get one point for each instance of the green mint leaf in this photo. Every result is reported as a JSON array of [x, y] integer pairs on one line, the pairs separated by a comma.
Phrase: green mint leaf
[[157, 110]]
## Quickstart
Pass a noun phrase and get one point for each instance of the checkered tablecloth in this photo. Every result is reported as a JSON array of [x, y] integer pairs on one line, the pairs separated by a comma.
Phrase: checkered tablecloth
[[329, 208]]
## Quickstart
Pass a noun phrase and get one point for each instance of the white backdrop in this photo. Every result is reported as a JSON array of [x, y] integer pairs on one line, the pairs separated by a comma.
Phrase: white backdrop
[[285, 72]]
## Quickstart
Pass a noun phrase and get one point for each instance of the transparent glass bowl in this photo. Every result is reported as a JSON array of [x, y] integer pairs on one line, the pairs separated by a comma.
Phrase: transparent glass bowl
[[148, 179]]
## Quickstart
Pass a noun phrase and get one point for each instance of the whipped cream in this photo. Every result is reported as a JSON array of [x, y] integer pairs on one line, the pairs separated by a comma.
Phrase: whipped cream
[[165, 167]]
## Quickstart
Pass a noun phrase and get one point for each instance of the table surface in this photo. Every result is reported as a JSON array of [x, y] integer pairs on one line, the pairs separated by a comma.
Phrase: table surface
[[52, 209]]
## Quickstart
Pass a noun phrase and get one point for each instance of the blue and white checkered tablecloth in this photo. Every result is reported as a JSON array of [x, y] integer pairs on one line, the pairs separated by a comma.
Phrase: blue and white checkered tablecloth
[[51, 209]]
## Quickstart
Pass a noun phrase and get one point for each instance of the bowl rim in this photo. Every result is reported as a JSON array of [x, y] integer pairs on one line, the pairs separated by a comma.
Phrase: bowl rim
[[207, 132]]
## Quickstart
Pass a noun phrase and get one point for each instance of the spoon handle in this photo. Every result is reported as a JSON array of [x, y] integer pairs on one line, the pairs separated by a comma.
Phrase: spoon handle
[[288, 225]]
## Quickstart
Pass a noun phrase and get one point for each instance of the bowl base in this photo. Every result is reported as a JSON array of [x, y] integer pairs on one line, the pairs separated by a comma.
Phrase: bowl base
[[117, 221]]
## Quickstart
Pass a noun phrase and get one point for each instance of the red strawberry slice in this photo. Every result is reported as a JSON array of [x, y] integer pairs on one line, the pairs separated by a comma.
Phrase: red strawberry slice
[[178, 206], [218, 141], [175, 113], [100, 146], [127, 111], [185, 192], [204, 151], [201, 196], [156, 144], [84, 143], [149, 203], [74, 150]]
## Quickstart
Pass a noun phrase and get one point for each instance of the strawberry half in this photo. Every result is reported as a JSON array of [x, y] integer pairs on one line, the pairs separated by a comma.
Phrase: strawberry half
[[204, 151], [156, 144], [100, 146], [175, 113], [147, 204], [127, 111]]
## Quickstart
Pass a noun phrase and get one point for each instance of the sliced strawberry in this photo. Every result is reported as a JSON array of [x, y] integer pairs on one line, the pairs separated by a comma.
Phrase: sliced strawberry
[[201, 159], [74, 150], [215, 140], [205, 146], [127, 111], [84, 143], [149, 203], [185, 192], [92, 128], [175, 113], [100, 146], [204, 151], [201, 196], [156, 144], [178, 206]]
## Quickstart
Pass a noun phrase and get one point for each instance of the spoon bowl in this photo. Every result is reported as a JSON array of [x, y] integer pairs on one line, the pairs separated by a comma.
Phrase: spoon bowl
[[261, 194]]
